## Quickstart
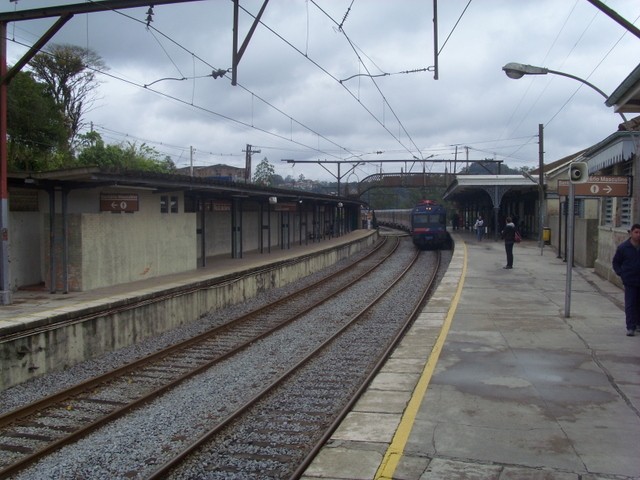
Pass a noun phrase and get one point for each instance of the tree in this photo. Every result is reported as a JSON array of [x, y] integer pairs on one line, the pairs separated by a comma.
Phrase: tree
[[265, 173], [126, 156], [69, 72], [35, 125]]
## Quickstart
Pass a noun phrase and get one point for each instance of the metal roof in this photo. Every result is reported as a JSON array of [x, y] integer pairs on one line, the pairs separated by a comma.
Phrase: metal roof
[[626, 98], [616, 148], [93, 177], [467, 184]]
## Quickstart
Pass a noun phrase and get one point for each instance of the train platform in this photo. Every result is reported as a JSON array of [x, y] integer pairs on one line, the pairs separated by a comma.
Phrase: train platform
[[41, 332], [495, 381], [37, 304]]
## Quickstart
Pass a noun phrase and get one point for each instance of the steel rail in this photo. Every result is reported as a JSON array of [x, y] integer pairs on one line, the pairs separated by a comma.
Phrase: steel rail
[[11, 418], [365, 384], [164, 470]]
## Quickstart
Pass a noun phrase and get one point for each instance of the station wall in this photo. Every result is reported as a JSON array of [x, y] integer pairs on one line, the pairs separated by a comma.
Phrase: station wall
[[106, 248], [25, 249]]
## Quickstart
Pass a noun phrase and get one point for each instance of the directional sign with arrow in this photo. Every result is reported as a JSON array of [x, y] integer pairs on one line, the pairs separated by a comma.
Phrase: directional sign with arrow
[[118, 202], [599, 186]]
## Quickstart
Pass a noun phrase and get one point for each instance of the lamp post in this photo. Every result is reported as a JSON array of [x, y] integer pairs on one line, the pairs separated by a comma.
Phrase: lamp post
[[518, 70]]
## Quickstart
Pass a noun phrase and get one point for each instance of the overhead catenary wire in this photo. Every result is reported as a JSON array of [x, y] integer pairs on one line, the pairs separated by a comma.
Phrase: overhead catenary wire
[[454, 27], [324, 70], [386, 102]]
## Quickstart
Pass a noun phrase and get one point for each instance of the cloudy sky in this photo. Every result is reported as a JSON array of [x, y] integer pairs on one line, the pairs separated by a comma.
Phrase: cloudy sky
[[351, 80]]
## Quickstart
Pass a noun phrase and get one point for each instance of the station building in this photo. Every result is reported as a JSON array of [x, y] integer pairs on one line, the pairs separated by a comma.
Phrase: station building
[[87, 228]]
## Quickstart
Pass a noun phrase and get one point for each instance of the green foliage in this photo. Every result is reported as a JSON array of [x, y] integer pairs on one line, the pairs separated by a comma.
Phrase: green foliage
[[126, 156], [265, 173], [36, 134]]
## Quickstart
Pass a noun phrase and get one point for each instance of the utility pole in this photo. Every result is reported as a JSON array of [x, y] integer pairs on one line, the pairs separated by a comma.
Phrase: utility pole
[[191, 161], [247, 166], [541, 201]]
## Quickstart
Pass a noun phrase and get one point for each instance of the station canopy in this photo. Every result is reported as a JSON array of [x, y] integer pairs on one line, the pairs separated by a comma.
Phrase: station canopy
[[466, 186]]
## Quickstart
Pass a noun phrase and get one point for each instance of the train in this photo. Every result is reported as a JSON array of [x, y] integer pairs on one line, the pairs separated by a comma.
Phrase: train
[[426, 223]]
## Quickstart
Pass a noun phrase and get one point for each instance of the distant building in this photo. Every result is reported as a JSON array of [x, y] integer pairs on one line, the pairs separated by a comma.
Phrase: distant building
[[215, 172]]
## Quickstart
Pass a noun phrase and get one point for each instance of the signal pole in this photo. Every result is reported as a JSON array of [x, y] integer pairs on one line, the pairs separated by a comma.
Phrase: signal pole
[[247, 166]]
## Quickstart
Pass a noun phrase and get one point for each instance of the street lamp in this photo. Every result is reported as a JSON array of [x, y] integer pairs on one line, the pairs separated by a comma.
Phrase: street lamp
[[518, 70]]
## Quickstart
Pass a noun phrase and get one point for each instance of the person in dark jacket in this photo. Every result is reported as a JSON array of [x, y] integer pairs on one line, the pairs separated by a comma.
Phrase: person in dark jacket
[[626, 264], [509, 235]]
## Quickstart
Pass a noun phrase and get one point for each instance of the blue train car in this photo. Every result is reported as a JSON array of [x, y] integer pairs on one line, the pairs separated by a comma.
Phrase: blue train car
[[394, 218], [429, 225]]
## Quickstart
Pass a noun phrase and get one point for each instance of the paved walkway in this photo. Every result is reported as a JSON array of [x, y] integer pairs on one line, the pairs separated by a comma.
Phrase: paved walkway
[[495, 382]]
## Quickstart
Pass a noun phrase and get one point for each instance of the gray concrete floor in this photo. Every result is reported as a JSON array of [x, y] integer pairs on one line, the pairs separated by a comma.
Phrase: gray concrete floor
[[503, 385]]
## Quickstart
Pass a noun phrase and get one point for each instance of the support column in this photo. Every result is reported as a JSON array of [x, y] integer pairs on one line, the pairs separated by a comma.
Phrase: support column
[[5, 277]]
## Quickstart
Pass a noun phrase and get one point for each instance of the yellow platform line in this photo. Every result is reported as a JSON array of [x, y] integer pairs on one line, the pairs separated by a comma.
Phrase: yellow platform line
[[396, 449]]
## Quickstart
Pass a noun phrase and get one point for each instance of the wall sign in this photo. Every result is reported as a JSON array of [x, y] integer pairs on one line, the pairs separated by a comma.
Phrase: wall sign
[[119, 202]]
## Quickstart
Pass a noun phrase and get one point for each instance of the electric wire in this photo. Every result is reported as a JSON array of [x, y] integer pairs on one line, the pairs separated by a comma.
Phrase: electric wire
[[376, 85], [316, 64], [454, 27], [182, 47], [530, 84], [204, 109], [344, 19]]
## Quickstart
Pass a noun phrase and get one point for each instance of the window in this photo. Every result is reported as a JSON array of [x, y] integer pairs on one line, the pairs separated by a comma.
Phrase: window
[[617, 211], [625, 202], [625, 212], [421, 220], [607, 211], [578, 208], [169, 204]]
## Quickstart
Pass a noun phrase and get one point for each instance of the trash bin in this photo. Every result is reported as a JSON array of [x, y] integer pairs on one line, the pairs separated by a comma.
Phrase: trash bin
[[546, 235]]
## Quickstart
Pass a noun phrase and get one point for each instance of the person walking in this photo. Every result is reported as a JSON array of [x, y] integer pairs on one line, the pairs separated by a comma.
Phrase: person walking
[[509, 235], [455, 221], [626, 264], [479, 227]]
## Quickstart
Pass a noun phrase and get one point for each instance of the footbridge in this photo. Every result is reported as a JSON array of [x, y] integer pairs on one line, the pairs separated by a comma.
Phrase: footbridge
[[402, 179]]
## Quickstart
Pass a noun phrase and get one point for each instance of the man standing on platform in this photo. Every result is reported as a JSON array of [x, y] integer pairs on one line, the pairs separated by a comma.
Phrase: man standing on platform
[[479, 227], [626, 264]]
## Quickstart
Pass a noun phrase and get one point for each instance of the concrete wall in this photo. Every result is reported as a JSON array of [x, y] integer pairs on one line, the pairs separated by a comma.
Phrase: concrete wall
[[218, 229], [123, 248], [69, 338], [107, 248], [609, 239], [218, 233], [585, 249], [25, 249]]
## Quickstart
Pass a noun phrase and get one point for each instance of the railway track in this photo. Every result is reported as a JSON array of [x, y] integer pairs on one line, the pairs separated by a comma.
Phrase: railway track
[[326, 384], [276, 434], [37, 430]]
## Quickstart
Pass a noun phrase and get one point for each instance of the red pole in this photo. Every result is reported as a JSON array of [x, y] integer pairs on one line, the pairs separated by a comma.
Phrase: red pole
[[5, 289]]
